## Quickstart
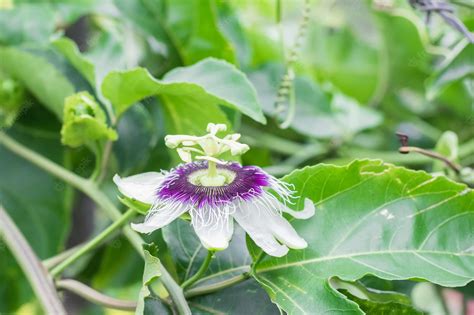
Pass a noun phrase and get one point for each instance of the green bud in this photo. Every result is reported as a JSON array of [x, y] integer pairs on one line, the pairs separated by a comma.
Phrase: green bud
[[84, 121], [11, 99]]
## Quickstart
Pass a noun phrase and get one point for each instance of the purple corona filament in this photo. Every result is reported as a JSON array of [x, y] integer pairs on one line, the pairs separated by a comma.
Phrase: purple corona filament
[[248, 183]]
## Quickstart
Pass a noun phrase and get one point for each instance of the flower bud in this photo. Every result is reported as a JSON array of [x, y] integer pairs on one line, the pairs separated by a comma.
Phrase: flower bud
[[215, 128], [84, 121], [11, 99]]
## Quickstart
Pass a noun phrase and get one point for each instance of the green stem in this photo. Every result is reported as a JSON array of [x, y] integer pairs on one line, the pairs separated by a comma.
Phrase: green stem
[[40, 281], [201, 290], [91, 190], [200, 272], [256, 261], [211, 169], [96, 241], [98, 161], [52, 262], [105, 161], [387, 156], [94, 296]]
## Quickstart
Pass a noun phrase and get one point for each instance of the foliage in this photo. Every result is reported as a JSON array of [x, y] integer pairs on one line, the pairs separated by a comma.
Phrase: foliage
[[90, 88]]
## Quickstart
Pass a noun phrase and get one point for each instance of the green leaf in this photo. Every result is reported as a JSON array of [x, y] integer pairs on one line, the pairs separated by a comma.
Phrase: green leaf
[[189, 254], [195, 25], [69, 49], [18, 25], [372, 307], [84, 121], [150, 274], [136, 138], [206, 83], [343, 59], [243, 298], [188, 27], [457, 66], [357, 289], [230, 26], [38, 75], [406, 50], [372, 218]]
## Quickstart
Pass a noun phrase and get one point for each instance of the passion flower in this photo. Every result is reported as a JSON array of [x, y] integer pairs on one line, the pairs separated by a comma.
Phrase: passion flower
[[214, 193]]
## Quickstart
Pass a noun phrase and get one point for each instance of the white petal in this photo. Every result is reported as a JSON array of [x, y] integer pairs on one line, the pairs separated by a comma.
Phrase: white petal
[[285, 233], [257, 222], [306, 213], [156, 219], [141, 187], [214, 228]]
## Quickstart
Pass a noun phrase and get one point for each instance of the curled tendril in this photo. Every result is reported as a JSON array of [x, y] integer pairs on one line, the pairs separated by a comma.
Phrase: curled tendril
[[286, 89]]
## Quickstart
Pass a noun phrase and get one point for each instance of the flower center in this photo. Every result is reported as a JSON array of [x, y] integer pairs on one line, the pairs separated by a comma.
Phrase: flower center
[[222, 177]]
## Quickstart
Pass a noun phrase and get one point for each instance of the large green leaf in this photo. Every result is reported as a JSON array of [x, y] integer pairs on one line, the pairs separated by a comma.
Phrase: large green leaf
[[71, 52], [195, 25], [373, 307], [372, 218], [243, 298], [341, 58], [210, 82], [189, 29], [136, 139], [188, 253], [406, 53]]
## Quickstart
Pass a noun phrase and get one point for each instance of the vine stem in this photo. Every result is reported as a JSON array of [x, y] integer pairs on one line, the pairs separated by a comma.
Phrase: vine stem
[[53, 261], [34, 271], [431, 154], [96, 241], [90, 189], [95, 296], [200, 272], [206, 289]]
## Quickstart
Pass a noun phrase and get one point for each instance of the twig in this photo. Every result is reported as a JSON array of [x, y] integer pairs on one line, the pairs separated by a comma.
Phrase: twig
[[405, 149], [431, 154], [93, 243], [94, 296], [34, 271]]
